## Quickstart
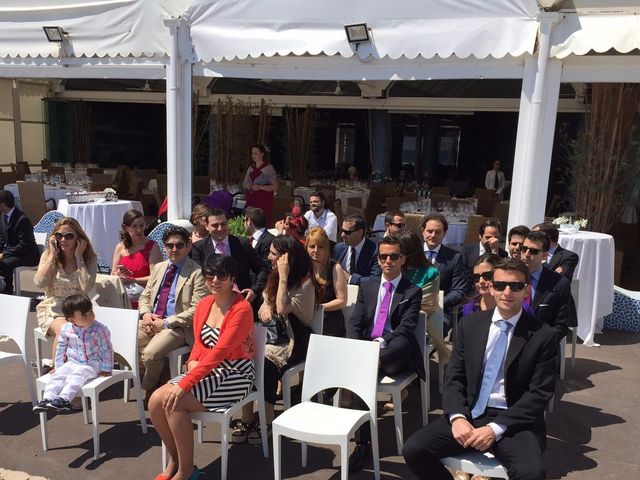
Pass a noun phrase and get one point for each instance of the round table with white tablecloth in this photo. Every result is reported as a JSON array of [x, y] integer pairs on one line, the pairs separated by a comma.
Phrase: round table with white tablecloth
[[56, 193], [595, 275], [101, 222]]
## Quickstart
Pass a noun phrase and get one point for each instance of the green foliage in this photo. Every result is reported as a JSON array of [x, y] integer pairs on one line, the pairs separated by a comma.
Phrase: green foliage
[[236, 226]]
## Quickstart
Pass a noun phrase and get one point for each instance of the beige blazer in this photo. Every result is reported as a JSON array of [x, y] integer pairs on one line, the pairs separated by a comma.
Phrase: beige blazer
[[190, 289]]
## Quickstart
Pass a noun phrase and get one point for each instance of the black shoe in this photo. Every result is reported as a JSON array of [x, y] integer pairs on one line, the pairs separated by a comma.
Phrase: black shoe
[[360, 455], [41, 406], [60, 405]]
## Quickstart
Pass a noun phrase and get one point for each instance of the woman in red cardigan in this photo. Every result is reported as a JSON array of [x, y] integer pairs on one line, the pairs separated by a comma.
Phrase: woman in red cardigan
[[220, 369]]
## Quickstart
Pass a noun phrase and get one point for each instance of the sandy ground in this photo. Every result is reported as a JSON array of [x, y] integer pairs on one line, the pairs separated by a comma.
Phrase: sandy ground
[[11, 475]]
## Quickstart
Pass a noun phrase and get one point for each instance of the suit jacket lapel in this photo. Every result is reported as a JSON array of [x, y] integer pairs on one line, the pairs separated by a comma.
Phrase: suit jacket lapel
[[540, 290], [476, 348], [185, 271], [518, 339], [398, 295]]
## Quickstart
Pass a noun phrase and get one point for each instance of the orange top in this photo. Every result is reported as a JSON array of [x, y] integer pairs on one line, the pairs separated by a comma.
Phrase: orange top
[[234, 342]]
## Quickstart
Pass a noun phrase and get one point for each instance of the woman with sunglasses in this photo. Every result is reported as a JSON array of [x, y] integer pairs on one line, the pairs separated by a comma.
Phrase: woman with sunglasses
[[220, 369], [482, 298], [68, 266], [330, 281], [135, 255], [288, 296]]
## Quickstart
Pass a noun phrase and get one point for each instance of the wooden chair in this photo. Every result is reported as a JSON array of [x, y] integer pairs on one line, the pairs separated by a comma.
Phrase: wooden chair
[[440, 191], [284, 190], [98, 186], [501, 212], [32, 201], [20, 169], [473, 225], [101, 178], [393, 203], [95, 170], [485, 206], [281, 206], [7, 177], [354, 202], [119, 174], [484, 193], [201, 185]]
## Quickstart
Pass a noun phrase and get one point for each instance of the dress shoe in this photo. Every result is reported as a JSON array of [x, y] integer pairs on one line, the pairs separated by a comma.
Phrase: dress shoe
[[360, 455]]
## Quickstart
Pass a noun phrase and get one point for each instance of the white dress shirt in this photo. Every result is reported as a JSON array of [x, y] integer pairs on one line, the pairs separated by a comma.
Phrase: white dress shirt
[[426, 252], [489, 180], [327, 220]]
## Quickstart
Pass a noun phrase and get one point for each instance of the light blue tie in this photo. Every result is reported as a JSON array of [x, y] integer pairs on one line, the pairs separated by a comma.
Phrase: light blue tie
[[491, 369]]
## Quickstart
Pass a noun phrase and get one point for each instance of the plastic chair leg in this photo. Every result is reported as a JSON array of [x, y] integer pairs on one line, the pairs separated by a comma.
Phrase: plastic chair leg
[[374, 450], [224, 448], [303, 454], [95, 427], [396, 397], [276, 454], [574, 339], [344, 459], [43, 431]]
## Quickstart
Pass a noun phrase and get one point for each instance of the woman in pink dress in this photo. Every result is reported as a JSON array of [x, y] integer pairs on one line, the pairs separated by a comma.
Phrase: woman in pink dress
[[134, 256], [261, 182]]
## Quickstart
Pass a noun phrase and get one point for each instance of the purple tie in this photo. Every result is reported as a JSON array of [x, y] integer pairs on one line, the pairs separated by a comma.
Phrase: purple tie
[[383, 312], [6, 219], [165, 289], [220, 248]]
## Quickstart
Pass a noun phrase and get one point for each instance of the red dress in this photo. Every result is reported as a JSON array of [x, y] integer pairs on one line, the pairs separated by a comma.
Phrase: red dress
[[265, 175], [138, 264]]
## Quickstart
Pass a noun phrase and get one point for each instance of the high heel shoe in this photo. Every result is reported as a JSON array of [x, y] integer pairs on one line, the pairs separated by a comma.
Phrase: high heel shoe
[[196, 474], [162, 477]]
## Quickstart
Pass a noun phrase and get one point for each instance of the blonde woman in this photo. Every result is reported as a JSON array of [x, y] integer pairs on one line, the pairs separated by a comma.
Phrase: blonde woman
[[68, 266]]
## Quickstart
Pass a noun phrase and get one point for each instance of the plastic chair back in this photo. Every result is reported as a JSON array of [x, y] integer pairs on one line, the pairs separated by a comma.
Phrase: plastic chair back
[[123, 325], [156, 236], [15, 311], [48, 220], [352, 297], [343, 363], [259, 342], [317, 322]]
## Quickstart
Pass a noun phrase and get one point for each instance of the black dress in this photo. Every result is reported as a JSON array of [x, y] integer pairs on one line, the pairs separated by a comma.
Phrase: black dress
[[333, 321]]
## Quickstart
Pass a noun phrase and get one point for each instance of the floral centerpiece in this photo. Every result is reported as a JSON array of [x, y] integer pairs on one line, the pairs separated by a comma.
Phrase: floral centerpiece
[[110, 194], [569, 225]]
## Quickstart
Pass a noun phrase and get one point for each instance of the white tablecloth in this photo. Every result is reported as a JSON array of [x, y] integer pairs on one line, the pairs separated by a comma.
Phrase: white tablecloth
[[595, 275], [455, 235], [101, 222], [57, 193], [343, 194]]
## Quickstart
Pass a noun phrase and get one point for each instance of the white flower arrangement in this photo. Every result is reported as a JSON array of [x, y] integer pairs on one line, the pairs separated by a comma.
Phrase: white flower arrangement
[[561, 221], [109, 190], [567, 224]]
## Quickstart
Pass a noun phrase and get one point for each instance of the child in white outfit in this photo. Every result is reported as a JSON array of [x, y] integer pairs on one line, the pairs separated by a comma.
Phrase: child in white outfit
[[84, 352]]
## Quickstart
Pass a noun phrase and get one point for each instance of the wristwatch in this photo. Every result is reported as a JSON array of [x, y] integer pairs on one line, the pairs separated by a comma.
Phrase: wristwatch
[[142, 315]]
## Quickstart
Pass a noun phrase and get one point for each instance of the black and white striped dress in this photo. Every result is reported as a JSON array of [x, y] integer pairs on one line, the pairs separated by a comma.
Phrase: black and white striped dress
[[226, 384]]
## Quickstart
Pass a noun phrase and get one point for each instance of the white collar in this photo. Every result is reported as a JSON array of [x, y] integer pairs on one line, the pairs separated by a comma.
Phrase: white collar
[[512, 320]]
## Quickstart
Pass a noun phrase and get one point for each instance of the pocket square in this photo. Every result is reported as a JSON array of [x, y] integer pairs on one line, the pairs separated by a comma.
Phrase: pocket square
[[543, 305], [401, 302]]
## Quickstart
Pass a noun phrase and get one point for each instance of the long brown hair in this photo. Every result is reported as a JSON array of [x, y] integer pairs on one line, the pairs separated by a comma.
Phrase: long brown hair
[[128, 218], [299, 267], [89, 255]]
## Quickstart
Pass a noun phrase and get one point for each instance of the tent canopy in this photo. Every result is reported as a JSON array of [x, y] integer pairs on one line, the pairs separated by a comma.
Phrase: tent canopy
[[237, 29], [96, 28]]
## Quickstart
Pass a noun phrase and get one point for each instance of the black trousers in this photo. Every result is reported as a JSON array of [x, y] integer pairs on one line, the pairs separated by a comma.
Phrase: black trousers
[[7, 265], [519, 452], [394, 358]]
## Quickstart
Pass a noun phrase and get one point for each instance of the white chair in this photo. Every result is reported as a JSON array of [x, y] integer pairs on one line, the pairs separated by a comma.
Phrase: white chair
[[41, 240], [437, 321], [175, 357], [15, 311], [224, 416], [39, 338], [352, 297], [123, 325], [563, 343], [291, 376], [394, 385], [332, 362], [476, 463]]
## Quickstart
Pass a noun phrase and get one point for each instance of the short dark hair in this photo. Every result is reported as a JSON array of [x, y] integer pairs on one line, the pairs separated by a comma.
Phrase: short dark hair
[[550, 229], [392, 240], [437, 217], [320, 195], [358, 220], [256, 215], [489, 258], [541, 237], [220, 265], [513, 265], [216, 212], [489, 223], [520, 230], [7, 198], [173, 231], [388, 216], [78, 302]]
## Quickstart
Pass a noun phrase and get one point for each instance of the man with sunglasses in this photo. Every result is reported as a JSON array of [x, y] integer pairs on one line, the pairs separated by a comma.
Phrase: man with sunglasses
[[222, 243], [319, 215], [18, 246], [386, 311], [498, 384], [356, 253], [515, 239], [559, 259], [489, 243], [550, 299], [167, 304], [394, 222]]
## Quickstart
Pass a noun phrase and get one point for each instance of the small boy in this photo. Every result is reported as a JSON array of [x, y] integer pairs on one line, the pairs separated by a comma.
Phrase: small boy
[[84, 352]]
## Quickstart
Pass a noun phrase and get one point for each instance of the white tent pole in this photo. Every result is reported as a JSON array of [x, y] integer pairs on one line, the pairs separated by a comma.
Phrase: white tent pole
[[185, 144], [531, 161], [173, 77]]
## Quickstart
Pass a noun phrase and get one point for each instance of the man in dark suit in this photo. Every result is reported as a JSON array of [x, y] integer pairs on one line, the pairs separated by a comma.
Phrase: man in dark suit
[[559, 259], [356, 253], [489, 236], [454, 277], [221, 242], [259, 238], [515, 240], [551, 300], [498, 384], [386, 311], [18, 246]]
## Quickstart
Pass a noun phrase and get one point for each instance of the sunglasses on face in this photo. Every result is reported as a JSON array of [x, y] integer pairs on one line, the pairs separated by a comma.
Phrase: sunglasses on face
[[67, 236], [514, 286], [177, 245], [348, 232], [534, 251], [398, 225], [393, 256], [484, 275], [209, 276]]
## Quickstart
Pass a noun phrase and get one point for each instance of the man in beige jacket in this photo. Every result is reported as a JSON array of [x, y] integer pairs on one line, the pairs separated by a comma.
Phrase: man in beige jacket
[[167, 304]]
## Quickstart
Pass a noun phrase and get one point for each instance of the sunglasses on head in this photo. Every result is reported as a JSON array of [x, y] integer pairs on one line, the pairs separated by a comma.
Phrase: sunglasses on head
[[484, 275], [534, 251], [392, 256], [67, 236], [514, 286], [177, 245]]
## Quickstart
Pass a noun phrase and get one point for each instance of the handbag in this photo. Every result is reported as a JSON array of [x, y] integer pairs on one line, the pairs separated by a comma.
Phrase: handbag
[[277, 331]]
